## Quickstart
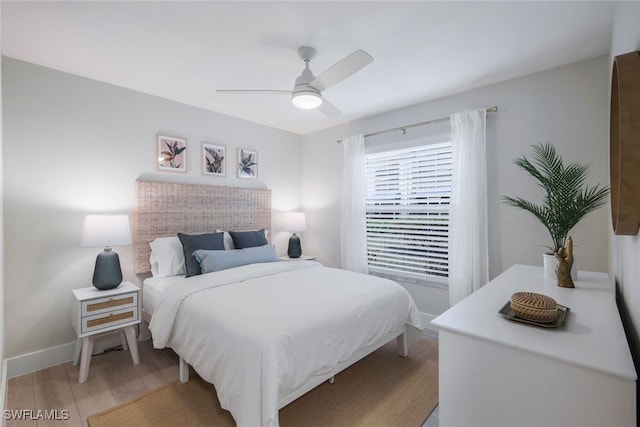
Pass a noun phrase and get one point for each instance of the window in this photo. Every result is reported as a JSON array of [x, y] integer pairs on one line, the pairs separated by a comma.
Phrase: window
[[408, 212]]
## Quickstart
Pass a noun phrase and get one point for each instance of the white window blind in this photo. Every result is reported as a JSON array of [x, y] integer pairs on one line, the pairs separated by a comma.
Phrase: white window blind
[[408, 212]]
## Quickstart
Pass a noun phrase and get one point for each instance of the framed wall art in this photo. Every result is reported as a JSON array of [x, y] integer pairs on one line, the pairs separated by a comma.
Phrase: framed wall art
[[214, 159], [171, 153], [247, 163]]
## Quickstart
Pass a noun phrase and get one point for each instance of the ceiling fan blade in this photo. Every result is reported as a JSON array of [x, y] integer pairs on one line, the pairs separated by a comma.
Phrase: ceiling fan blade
[[341, 70], [253, 91], [330, 110]]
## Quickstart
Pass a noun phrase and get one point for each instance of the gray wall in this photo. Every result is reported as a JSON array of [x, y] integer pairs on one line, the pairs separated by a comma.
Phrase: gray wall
[[74, 146], [567, 106], [625, 250]]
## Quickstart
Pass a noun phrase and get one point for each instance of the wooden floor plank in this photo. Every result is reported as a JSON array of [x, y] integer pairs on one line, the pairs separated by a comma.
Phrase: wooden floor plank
[[52, 392], [91, 396], [121, 377], [155, 368], [20, 397]]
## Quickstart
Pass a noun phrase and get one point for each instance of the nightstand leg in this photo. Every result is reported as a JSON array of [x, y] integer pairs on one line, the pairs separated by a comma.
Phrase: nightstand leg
[[87, 349], [123, 339], [76, 353], [130, 333]]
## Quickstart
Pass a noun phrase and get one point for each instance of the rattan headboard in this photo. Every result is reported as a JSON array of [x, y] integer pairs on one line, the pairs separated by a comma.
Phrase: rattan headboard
[[164, 209]]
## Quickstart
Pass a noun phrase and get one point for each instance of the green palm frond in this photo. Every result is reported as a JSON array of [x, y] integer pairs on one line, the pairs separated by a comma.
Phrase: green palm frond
[[566, 197]]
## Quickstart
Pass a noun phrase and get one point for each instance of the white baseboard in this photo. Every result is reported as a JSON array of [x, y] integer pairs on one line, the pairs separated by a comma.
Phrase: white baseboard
[[52, 356], [41, 359]]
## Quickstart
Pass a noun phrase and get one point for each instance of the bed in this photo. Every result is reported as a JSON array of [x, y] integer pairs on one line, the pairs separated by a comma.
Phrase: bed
[[263, 333]]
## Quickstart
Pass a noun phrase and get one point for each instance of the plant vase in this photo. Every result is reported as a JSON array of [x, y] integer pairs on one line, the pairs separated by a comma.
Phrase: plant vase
[[549, 263]]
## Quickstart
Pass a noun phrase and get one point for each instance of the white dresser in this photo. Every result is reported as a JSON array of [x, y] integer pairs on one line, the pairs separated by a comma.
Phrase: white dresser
[[496, 372]]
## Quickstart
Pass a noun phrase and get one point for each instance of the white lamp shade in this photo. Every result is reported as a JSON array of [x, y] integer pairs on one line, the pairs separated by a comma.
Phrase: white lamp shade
[[294, 221], [106, 230]]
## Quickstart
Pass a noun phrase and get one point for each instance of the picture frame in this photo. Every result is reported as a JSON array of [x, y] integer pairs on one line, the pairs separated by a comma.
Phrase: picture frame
[[247, 164], [171, 153], [214, 159]]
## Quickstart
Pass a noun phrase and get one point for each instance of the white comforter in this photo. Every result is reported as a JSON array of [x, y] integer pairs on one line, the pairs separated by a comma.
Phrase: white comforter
[[258, 332]]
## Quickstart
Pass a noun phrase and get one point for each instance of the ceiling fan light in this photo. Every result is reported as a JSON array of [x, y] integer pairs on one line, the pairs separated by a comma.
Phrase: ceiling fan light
[[306, 100]]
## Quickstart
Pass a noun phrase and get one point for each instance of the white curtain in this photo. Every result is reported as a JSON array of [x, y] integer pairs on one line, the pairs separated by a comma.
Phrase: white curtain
[[353, 231], [468, 235]]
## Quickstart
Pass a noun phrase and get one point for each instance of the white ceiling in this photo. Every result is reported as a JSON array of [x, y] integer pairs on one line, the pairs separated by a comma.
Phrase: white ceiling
[[184, 51]]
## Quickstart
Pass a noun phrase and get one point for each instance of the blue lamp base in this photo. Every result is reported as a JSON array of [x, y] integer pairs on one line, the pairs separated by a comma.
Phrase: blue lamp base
[[107, 273], [295, 249]]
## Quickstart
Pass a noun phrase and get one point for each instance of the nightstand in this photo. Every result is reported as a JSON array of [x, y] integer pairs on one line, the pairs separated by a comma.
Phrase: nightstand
[[95, 312], [300, 258]]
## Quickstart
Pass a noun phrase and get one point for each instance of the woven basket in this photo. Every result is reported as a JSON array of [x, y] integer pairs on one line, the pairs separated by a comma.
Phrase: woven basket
[[534, 307]]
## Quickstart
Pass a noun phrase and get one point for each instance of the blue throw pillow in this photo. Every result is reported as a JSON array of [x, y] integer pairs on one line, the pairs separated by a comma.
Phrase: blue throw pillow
[[248, 239], [193, 242], [221, 260]]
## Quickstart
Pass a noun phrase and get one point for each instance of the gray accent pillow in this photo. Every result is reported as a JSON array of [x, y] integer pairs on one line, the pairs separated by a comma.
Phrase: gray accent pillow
[[221, 260], [194, 242], [248, 239]]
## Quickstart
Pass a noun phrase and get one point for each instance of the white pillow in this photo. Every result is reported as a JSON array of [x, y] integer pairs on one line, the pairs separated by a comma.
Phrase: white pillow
[[227, 239], [167, 257]]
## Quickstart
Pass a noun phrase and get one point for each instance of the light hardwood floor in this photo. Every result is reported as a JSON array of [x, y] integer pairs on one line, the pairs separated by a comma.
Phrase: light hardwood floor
[[113, 379]]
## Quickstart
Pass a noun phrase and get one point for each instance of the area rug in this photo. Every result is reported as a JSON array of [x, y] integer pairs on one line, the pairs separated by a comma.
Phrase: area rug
[[382, 389]]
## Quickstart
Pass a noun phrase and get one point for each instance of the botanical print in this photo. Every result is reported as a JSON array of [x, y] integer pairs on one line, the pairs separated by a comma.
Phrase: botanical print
[[213, 159], [247, 163], [172, 154]]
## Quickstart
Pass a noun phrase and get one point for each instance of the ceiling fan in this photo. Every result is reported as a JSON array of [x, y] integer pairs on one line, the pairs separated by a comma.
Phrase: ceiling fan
[[307, 90]]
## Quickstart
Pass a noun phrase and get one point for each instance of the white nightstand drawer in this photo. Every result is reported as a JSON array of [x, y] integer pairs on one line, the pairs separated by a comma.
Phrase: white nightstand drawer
[[109, 319], [108, 304]]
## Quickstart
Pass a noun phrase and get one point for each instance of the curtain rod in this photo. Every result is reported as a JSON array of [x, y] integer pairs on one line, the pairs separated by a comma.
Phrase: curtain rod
[[428, 122]]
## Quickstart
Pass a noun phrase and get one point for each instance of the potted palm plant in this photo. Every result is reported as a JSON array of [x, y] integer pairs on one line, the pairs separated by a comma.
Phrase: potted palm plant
[[566, 200]]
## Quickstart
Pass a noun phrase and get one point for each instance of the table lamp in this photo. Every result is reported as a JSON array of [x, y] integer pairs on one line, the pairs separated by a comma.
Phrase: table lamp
[[106, 231], [294, 221]]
